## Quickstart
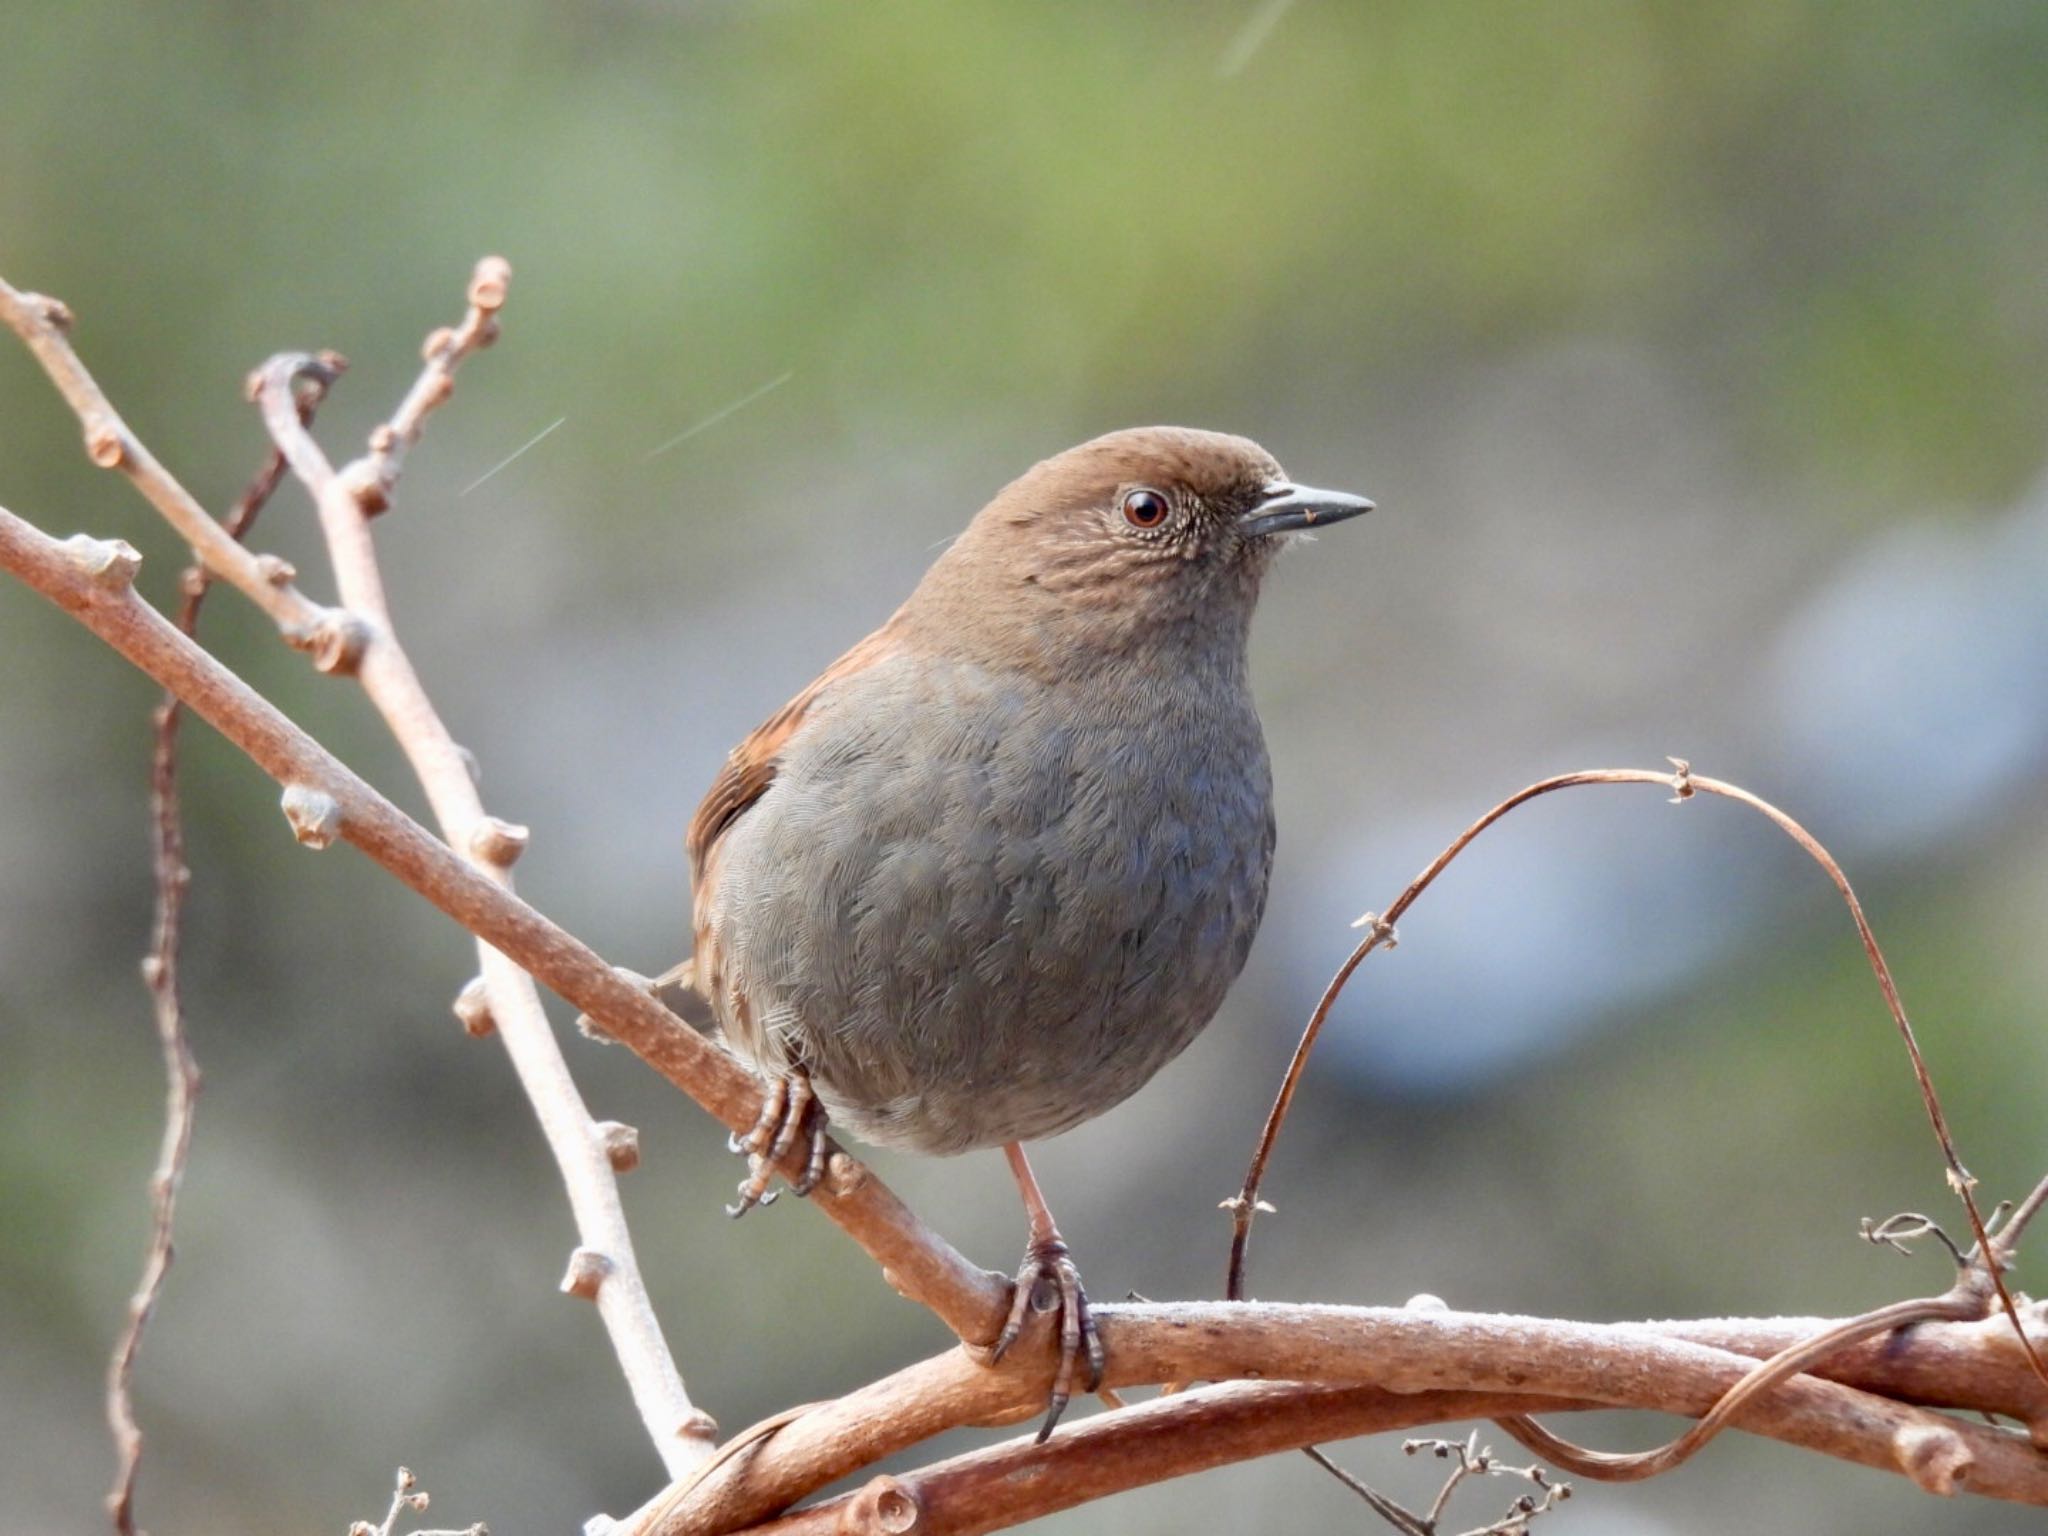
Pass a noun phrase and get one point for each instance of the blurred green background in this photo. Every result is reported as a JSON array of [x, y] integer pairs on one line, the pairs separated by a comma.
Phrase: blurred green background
[[1697, 356]]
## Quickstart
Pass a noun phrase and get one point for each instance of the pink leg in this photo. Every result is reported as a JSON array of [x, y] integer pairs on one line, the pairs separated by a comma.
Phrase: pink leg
[[1047, 1281]]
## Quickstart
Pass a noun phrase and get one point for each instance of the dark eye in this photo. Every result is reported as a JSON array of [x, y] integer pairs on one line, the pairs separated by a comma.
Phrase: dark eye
[[1145, 507]]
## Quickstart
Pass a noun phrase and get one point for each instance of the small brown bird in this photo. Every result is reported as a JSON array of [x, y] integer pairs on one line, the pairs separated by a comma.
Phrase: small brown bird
[[999, 864]]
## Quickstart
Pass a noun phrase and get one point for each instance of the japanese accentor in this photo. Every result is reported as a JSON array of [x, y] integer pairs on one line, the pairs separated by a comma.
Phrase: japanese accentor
[[999, 864]]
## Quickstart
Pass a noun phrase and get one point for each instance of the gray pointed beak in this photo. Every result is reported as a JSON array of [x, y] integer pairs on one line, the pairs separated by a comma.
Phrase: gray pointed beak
[[1287, 506]]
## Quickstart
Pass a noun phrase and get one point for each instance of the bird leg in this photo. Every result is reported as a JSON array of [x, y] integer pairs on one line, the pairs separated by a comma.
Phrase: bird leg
[[789, 1110], [1048, 1280]]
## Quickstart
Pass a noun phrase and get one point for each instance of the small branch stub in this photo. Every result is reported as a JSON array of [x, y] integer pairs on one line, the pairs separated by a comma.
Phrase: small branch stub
[[621, 1145], [104, 444], [315, 815], [884, 1507], [109, 564], [498, 843], [473, 1007], [587, 1272], [338, 643], [1932, 1457]]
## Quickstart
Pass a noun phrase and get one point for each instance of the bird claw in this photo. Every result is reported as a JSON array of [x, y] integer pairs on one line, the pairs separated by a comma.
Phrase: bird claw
[[1049, 1281], [790, 1109]]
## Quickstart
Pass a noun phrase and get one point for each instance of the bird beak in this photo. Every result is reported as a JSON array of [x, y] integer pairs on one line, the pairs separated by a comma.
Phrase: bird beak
[[1287, 506]]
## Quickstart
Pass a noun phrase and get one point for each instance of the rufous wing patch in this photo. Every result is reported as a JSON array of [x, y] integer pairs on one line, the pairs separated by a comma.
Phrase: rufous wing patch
[[751, 767]]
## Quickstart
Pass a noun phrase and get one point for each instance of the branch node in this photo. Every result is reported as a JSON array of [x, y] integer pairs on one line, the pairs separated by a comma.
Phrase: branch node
[[1935, 1458], [1681, 780], [364, 484], [621, 1145], [473, 1007], [104, 444], [338, 642], [1384, 934], [884, 1507], [498, 842], [587, 1272], [53, 312], [844, 1175], [314, 814], [697, 1425], [591, 1028], [109, 564], [276, 570], [488, 284]]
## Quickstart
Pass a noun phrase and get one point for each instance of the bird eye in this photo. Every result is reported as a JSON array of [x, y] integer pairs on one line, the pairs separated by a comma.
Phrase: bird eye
[[1144, 507]]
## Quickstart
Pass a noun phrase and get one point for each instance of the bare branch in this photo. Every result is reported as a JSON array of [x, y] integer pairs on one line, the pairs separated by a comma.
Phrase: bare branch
[[608, 1269], [181, 1071], [1684, 784], [1853, 1412], [42, 323], [92, 580], [407, 1497]]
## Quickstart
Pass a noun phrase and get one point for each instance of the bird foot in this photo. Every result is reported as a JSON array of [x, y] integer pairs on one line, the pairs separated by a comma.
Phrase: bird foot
[[1047, 1282], [790, 1110]]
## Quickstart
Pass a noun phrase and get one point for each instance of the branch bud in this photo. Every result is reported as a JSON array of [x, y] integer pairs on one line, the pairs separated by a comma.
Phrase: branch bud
[[104, 444], [621, 1145], [487, 285], [498, 843], [885, 1507], [109, 564], [339, 640], [473, 1007], [315, 815], [586, 1276]]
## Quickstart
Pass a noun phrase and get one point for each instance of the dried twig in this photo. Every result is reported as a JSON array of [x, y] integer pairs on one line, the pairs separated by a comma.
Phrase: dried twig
[[43, 324], [1965, 1299], [181, 1070], [407, 1497], [604, 1268]]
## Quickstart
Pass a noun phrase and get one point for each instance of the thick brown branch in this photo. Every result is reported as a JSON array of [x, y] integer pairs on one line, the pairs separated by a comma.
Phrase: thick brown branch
[[1170, 1437], [1408, 1351]]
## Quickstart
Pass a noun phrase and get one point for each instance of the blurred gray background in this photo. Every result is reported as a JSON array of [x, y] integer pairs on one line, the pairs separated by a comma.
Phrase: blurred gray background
[[1698, 359]]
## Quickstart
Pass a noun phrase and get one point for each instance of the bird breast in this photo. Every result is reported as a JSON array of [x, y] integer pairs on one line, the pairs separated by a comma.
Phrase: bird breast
[[979, 907]]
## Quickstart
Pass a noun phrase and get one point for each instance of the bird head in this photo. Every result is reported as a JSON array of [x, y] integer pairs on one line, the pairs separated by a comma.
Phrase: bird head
[[1150, 534]]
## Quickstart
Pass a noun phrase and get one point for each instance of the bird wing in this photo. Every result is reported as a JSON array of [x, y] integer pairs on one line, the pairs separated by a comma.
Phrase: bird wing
[[751, 767]]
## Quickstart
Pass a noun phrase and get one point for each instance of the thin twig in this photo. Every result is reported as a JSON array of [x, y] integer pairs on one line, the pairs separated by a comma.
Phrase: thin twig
[[407, 1497], [1683, 783], [604, 1268], [160, 977], [43, 324], [1964, 1300]]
